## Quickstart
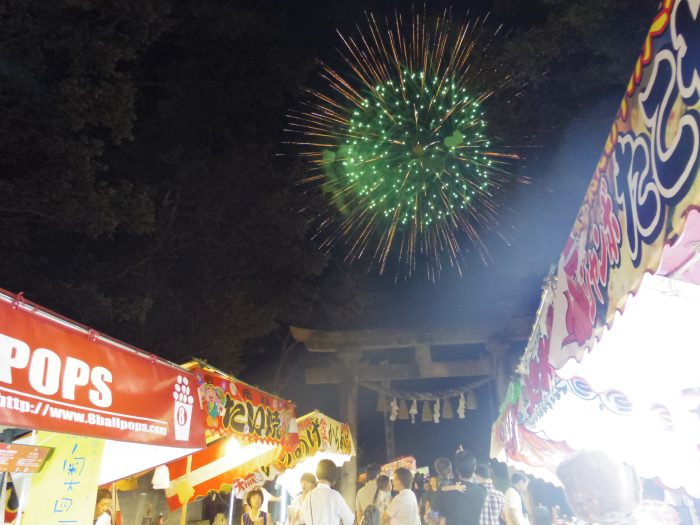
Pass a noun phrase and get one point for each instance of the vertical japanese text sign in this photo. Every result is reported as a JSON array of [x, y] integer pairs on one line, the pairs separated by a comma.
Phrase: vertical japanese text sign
[[63, 493]]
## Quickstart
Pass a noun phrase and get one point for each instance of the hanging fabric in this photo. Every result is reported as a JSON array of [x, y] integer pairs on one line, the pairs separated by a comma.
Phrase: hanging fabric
[[394, 410], [461, 407], [413, 411], [447, 409], [427, 413], [403, 409], [436, 411]]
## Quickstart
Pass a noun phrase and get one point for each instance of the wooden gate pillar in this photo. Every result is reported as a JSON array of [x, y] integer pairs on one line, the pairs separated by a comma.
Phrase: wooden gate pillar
[[499, 348], [348, 413]]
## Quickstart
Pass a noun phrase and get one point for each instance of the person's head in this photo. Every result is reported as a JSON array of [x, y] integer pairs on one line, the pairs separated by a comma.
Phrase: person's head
[[598, 487], [433, 483], [210, 393], [417, 482], [308, 482], [403, 479], [103, 502], [483, 473], [464, 464], [384, 483], [327, 471], [373, 470], [519, 482], [254, 499], [543, 516], [443, 467]]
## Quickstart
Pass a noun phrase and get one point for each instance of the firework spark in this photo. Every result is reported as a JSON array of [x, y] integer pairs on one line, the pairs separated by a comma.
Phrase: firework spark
[[400, 143]]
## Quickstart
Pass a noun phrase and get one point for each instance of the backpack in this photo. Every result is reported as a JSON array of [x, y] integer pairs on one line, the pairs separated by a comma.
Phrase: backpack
[[371, 514]]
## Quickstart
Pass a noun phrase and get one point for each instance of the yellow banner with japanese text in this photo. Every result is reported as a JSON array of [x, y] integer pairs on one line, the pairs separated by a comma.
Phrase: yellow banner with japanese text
[[64, 491]]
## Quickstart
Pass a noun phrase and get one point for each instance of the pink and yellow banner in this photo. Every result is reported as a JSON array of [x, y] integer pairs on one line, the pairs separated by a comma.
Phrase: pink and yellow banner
[[640, 207], [234, 408]]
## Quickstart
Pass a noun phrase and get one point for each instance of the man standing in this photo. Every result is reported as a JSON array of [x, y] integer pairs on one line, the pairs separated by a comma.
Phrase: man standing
[[403, 509], [462, 507], [308, 483], [324, 505], [370, 494], [513, 505], [494, 498]]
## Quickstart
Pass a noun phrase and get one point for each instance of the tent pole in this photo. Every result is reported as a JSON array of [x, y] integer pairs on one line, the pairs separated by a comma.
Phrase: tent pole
[[231, 502], [183, 514]]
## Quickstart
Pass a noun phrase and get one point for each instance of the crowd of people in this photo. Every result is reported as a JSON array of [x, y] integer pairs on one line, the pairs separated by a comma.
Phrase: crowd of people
[[462, 493], [598, 489]]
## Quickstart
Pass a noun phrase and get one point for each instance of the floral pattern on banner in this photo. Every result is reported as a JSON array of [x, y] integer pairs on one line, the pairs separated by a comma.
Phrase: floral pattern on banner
[[234, 408], [643, 187]]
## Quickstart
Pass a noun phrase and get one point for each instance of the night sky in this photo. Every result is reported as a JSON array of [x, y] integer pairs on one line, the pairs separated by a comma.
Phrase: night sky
[[149, 192]]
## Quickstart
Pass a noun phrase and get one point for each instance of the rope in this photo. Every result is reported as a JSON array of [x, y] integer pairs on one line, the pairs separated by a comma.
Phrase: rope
[[425, 396]]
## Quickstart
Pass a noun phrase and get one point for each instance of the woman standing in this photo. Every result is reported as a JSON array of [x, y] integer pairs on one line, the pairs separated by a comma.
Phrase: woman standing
[[254, 516], [382, 497]]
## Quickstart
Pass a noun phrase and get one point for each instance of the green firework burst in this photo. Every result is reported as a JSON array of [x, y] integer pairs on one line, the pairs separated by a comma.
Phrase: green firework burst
[[401, 145]]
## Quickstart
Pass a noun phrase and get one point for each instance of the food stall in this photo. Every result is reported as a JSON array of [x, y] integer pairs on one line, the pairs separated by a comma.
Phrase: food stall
[[408, 462], [105, 409], [246, 429], [320, 437], [239, 463], [613, 362]]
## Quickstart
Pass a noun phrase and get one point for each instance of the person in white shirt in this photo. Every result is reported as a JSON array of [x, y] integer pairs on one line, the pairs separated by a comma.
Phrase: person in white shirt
[[103, 507], [513, 509], [403, 509], [323, 505], [370, 494], [308, 483]]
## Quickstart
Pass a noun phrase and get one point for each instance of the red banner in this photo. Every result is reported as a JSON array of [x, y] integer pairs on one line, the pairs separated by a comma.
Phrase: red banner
[[56, 375]]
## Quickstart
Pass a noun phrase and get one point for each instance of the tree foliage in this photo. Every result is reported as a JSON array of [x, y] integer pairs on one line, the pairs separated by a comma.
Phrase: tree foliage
[[181, 230], [66, 93], [145, 188], [568, 53]]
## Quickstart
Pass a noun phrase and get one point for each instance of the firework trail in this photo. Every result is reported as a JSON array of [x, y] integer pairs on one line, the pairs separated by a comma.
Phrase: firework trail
[[400, 144]]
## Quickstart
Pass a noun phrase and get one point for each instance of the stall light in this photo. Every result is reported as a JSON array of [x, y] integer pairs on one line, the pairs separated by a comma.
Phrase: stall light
[[283, 505], [636, 397], [291, 479], [237, 454]]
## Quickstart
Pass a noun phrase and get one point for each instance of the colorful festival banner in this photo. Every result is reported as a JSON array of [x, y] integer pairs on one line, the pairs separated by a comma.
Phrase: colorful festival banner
[[211, 471], [64, 491], [234, 408], [246, 429], [59, 376], [645, 184], [641, 205], [216, 468], [408, 462], [317, 433]]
